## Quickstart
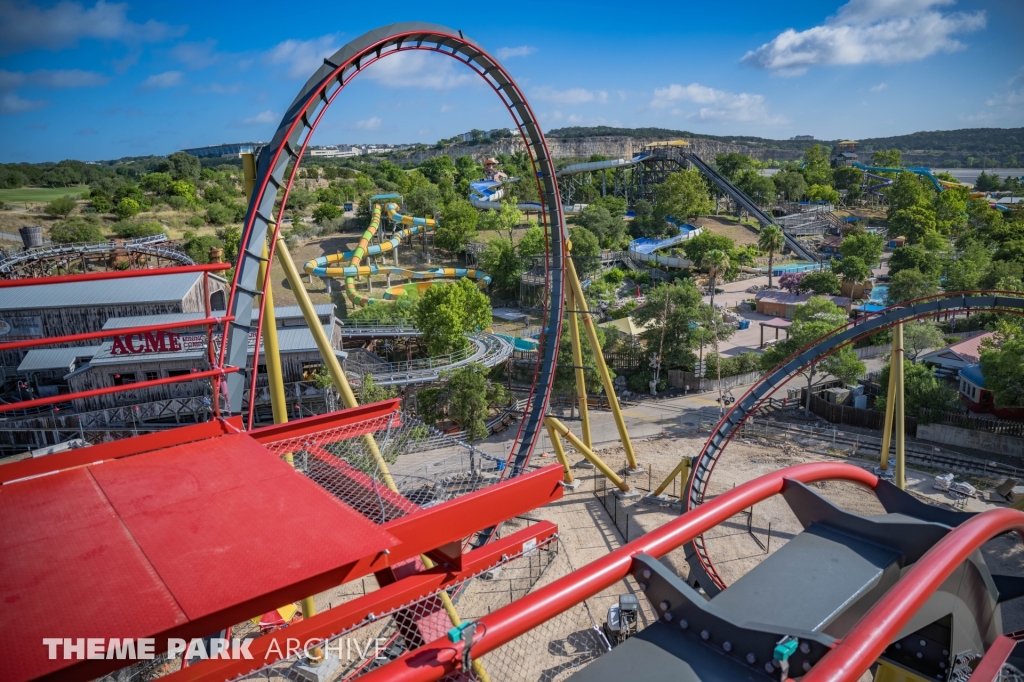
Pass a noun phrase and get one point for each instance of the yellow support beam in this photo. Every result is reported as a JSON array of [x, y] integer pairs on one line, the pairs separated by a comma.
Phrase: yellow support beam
[[887, 672], [890, 408], [348, 398], [896, 368], [602, 368], [556, 443], [563, 431], [682, 470], [577, 359]]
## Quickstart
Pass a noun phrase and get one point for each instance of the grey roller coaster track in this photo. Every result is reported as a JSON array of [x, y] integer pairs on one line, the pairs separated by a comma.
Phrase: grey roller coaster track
[[289, 142], [147, 245], [729, 425]]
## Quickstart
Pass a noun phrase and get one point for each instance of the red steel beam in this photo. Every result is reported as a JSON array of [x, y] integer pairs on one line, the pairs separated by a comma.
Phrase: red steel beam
[[38, 402], [69, 459], [991, 665], [108, 333], [119, 274], [440, 657], [882, 624], [321, 627], [324, 422]]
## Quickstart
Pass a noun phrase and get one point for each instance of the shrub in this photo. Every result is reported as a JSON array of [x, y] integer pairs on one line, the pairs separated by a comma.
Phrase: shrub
[[326, 212], [179, 203], [195, 221], [75, 231], [129, 230], [640, 382], [614, 276], [100, 204], [61, 207], [127, 208], [221, 214]]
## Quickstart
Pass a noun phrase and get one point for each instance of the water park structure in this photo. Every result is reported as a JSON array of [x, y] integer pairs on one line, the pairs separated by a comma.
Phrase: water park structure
[[176, 536], [326, 266]]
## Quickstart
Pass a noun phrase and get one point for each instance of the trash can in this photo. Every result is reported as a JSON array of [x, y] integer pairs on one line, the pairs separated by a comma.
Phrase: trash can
[[31, 236]]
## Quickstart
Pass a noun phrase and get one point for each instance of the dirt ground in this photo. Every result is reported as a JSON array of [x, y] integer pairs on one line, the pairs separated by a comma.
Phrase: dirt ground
[[732, 548], [740, 234]]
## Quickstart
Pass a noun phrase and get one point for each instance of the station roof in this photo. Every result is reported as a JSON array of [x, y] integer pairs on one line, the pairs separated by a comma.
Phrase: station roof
[[156, 289], [285, 312], [151, 545], [39, 359]]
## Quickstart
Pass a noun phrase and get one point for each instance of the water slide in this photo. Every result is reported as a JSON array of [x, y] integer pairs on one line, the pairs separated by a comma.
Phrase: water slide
[[643, 249], [487, 194], [940, 185], [347, 265]]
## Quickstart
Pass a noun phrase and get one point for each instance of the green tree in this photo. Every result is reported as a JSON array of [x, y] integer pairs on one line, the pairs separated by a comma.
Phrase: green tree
[[683, 195], [716, 264], [423, 200], [132, 230], [907, 285], [964, 272], [158, 183], [448, 312], [76, 231], [816, 169], [458, 225], [676, 319], [987, 183], [181, 166], [324, 212], [758, 187], [906, 191], [532, 245], [817, 318], [913, 223], [852, 269], [866, 246], [127, 208], [771, 240], [1002, 365], [849, 178], [951, 210], [466, 397], [197, 247], [919, 336], [791, 184], [369, 391], [921, 390], [439, 169], [100, 203], [610, 230], [468, 169], [61, 207], [501, 262], [821, 282], [696, 248], [908, 257], [565, 374], [822, 193], [732, 164], [506, 219], [585, 251], [887, 158]]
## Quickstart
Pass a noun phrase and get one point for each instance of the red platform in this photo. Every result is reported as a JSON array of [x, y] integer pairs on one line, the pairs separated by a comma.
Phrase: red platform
[[170, 543]]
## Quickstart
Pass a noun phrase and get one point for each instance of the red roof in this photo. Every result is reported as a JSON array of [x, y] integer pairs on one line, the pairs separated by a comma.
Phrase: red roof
[[970, 349]]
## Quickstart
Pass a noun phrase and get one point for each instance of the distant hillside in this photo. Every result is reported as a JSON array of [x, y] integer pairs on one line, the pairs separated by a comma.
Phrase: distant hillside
[[968, 146]]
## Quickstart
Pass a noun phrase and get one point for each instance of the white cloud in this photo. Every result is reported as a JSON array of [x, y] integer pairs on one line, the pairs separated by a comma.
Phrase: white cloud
[[196, 56], [302, 57], [879, 87], [445, 108], [865, 31], [1006, 106], [219, 89], [719, 105], [510, 52], [419, 70], [24, 26], [63, 78], [159, 81], [10, 103], [570, 96], [261, 118], [372, 123]]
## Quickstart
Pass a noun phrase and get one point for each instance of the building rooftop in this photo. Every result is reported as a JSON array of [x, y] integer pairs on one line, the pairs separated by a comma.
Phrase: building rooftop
[[284, 312], [39, 359], [973, 374], [155, 289]]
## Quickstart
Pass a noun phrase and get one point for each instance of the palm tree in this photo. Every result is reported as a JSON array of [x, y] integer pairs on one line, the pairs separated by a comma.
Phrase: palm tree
[[716, 262], [772, 240]]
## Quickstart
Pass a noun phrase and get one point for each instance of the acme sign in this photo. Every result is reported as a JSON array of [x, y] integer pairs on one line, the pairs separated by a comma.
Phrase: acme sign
[[155, 342]]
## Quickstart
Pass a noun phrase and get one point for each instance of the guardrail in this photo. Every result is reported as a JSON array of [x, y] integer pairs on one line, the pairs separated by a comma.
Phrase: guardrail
[[486, 349], [148, 245]]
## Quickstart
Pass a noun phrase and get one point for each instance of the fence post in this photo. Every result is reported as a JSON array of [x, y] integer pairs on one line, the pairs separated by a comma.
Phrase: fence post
[[768, 545]]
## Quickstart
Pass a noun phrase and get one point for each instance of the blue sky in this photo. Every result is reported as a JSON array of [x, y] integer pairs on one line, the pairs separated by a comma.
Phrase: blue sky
[[101, 80]]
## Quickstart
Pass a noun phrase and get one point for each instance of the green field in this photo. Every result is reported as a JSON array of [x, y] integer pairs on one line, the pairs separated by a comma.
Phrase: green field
[[40, 194]]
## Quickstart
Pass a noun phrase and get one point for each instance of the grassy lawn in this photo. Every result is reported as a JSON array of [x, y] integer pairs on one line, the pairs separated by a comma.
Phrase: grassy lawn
[[40, 194]]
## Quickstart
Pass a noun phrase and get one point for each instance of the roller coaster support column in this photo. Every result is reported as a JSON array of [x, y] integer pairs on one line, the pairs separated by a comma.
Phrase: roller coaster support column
[[556, 443], [348, 398], [561, 429], [682, 470], [577, 359], [602, 368], [896, 365]]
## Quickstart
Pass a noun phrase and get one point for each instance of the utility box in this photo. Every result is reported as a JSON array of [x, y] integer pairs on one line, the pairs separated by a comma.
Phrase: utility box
[[860, 402], [837, 396], [793, 393]]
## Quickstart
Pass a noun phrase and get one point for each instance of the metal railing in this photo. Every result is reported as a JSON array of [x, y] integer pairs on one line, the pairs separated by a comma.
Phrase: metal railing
[[146, 245]]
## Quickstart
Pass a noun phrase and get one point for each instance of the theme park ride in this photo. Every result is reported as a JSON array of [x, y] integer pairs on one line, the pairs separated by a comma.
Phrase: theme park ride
[[194, 530], [351, 268]]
